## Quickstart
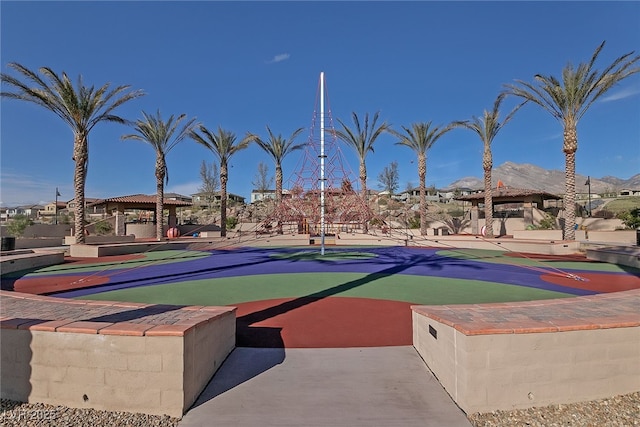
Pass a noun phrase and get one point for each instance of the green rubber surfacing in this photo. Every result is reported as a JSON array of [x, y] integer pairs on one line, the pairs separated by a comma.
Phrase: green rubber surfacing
[[399, 287]]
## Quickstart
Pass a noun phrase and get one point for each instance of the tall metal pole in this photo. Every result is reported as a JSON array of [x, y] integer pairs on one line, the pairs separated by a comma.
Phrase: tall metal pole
[[322, 157], [56, 207], [589, 187]]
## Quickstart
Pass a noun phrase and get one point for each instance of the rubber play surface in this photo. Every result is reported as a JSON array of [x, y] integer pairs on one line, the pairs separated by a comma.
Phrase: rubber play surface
[[348, 297]]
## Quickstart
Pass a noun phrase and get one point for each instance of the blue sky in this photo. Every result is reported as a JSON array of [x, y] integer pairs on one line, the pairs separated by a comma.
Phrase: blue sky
[[245, 65]]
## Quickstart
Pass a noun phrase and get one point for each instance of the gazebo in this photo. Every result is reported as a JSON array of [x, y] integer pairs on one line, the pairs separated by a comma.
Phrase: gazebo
[[505, 195], [118, 206]]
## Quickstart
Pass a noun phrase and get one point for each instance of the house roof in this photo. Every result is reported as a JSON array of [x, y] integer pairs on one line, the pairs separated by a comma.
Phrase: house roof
[[87, 200], [503, 192], [141, 199], [176, 196], [217, 193]]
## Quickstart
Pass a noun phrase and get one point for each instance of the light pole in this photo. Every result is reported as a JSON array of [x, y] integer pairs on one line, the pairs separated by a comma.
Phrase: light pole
[[56, 206], [588, 184]]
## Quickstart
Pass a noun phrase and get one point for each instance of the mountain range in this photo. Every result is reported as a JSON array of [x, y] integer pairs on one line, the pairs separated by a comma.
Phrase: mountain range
[[524, 175]]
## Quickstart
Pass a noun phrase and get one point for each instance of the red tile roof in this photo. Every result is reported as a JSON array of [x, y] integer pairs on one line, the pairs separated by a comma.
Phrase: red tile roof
[[142, 199]]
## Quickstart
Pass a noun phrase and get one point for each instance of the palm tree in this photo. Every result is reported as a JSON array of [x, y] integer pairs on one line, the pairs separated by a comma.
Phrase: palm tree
[[278, 148], [222, 144], [81, 108], [362, 139], [568, 100], [162, 137], [420, 138], [487, 128]]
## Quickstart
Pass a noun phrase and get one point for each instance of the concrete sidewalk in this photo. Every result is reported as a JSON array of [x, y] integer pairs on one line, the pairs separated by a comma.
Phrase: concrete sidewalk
[[384, 386]]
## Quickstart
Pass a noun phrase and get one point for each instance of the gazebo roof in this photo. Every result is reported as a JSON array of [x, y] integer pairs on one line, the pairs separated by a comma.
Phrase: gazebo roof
[[140, 201]]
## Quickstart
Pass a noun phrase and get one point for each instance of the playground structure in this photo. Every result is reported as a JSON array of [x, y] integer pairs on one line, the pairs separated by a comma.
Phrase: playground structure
[[322, 200]]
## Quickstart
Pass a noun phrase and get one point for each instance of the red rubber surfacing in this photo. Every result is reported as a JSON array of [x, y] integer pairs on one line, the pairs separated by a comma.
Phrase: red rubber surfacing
[[596, 282], [58, 283], [49, 284], [103, 259], [331, 322]]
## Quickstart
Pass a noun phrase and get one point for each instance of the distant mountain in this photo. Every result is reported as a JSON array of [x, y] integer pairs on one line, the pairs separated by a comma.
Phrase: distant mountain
[[552, 181]]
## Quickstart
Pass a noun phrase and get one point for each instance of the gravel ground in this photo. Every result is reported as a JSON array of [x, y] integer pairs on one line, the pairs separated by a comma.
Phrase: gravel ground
[[14, 414], [618, 411]]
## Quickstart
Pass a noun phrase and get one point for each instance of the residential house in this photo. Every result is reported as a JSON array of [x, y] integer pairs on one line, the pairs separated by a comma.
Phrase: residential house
[[202, 199], [50, 209], [89, 206], [629, 192], [178, 197], [258, 195]]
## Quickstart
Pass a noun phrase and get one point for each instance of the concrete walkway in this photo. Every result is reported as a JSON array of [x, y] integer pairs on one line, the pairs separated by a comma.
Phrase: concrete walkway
[[383, 386]]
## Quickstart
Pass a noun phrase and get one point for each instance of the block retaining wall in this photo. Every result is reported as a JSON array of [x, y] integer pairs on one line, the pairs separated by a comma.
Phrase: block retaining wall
[[110, 355], [519, 355]]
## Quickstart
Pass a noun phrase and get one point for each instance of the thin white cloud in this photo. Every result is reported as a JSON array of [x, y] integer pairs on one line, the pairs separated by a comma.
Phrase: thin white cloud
[[279, 58], [185, 189], [622, 94], [553, 137], [447, 165], [18, 189]]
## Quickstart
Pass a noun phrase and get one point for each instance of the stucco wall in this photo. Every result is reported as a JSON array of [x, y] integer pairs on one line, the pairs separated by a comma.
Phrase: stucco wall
[[519, 362], [160, 372], [484, 373]]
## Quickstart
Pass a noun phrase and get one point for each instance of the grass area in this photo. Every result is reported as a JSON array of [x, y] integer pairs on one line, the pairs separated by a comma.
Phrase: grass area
[[623, 204], [149, 258], [396, 287]]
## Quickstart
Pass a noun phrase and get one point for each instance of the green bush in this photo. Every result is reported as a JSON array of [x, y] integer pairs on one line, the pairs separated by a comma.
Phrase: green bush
[[232, 221], [631, 219], [414, 222], [547, 223], [18, 224], [103, 228]]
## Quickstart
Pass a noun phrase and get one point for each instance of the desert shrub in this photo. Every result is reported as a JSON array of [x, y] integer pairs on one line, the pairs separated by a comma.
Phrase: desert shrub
[[547, 223], [631, 219], [18, 224], [376, 222], [103, 228], [413, 222], [455, 224], [232, 221]]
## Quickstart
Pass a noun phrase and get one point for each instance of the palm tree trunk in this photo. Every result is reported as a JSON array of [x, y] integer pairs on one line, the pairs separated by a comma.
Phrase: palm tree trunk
[[422, 175], [570, 147], [278, 194], [159, 209], [487, 164], [223, 199], [570, 196], [159, 198], [278, 185], [81, 157], [365, 198], [488, 204]]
